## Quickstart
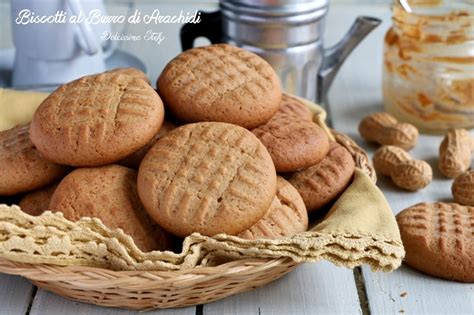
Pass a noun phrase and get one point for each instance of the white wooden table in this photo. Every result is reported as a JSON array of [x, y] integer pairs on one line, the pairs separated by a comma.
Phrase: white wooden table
[[320, 288]]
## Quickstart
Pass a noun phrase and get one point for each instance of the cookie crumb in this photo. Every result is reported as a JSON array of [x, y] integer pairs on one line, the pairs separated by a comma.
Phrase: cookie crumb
[[401, 311], [403, 294]]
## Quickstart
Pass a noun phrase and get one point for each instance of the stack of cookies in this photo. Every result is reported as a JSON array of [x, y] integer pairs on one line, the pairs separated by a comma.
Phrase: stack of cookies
[[233, 155]]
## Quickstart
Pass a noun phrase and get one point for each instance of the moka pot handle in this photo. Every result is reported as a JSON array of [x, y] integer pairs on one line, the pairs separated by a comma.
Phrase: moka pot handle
[[209, 27]]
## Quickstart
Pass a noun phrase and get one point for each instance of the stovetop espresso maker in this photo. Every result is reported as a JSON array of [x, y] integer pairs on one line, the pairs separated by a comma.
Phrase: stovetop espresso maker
[[286, 33]]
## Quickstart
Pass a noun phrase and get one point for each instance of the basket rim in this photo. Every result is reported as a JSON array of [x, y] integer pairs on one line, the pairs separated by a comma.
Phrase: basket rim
[[38, 272]]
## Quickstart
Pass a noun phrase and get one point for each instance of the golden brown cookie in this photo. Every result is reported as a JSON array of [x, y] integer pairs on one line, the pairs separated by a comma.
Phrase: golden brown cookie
[[292, 142], [291, 105], [134, 159], [134, 72], [97, 120], [220, 83], [22, 168], [207, 177], [35, 203], [286, 216], [325, 181], [110, 194], [438, 239]]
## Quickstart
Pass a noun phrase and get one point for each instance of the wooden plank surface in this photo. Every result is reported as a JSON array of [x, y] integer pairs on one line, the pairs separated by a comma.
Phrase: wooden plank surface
[[46, 303], [15, 294], [408, 291], [319, 288], [405, 290]]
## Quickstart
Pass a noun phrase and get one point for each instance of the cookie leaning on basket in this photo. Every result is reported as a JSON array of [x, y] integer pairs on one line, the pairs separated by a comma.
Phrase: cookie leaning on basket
[[325, 181], [22, 167]]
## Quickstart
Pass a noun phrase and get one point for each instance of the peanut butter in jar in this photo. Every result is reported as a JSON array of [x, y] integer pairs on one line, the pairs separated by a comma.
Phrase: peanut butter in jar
[[428, 77]]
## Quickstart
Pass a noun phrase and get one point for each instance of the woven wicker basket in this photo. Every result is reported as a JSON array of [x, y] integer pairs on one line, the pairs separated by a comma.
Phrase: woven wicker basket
[[144, 290]]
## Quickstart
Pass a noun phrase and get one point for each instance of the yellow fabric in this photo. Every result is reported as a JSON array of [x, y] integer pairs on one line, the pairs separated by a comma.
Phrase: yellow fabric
[[361, 210], [17, 107]]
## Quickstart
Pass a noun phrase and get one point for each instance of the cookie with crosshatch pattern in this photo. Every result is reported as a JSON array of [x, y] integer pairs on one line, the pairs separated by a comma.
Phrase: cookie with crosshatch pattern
[[292, 142], [220, 83], [134, 72], [438, 239], [325, 181], [96, 120], [207, 177], [292, 106], [286, 216], [110, 194], [291, 137], [22, 168]]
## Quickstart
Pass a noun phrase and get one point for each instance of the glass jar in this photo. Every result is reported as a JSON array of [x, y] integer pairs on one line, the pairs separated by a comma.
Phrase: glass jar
[[428, 77]]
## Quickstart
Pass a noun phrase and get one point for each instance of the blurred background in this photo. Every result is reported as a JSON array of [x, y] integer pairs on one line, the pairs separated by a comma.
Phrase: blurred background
[[156, 56], [421, 65]]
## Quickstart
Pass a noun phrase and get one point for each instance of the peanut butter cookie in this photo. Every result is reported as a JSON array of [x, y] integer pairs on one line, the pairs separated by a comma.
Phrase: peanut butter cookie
[[220, 83], [325, 181], [134, 72], [110, 194], [22, 167], [291, 105], [207, 177], [96, 120], [438, 239], [286, 216], [292, 142]]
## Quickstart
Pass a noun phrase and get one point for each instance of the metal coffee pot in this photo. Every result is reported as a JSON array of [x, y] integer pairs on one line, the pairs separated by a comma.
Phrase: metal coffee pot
[[286, 33]]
